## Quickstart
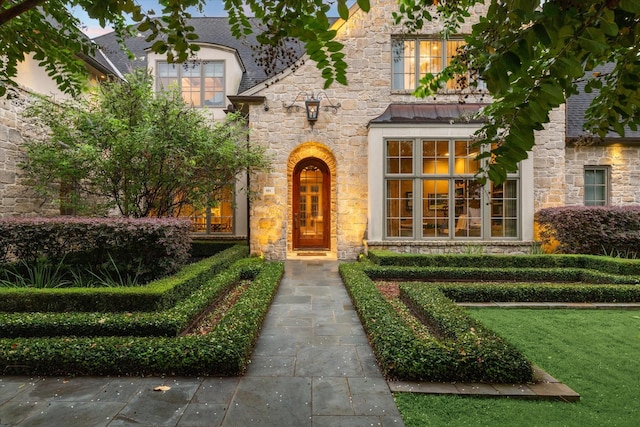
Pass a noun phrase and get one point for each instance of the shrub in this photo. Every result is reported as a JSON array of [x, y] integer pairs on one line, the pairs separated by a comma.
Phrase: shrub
[[223, 351], [592, 230], [157, 295], [403, 355], [146, 247]]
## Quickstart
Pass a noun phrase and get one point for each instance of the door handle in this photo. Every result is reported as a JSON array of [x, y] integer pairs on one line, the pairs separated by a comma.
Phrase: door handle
[[295, 221]]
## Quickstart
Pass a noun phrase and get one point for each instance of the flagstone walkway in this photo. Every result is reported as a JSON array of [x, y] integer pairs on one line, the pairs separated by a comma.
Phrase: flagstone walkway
[[312, 366]]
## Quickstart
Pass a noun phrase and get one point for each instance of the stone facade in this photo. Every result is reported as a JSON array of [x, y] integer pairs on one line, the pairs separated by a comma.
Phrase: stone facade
[[549, 163], [17, 198], [352, 150], [344, 136], [624, 163]]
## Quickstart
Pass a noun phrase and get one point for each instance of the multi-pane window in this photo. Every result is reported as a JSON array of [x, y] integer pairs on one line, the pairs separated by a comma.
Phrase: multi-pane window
[[431, 193], [596, 185], [413, 58], [201, 83]]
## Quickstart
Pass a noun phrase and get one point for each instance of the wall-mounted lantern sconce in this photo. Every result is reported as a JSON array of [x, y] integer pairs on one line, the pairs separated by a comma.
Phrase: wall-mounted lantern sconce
[[312, 105]]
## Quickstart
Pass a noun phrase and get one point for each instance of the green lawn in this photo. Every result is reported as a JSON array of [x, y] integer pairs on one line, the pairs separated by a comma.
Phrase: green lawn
[[595, 352]]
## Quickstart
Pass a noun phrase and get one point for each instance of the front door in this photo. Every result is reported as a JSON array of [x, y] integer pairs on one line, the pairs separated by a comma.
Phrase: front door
[[311, 205]]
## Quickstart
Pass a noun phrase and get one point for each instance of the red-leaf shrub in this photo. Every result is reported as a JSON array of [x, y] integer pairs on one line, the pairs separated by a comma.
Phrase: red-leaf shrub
[[146, 247], [596, 230]]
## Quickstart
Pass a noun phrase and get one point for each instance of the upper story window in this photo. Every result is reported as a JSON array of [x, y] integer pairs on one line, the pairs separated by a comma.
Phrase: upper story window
[[201, 83], [415, 57], [596, 185]]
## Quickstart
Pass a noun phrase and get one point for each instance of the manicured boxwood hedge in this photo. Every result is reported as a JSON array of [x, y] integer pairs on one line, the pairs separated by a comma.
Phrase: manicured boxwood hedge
[[497, 274], [170, 322], [604, 264], [481, 353], [157, 295], [538, 292], [468, 351], [403, 355], [223, 351]]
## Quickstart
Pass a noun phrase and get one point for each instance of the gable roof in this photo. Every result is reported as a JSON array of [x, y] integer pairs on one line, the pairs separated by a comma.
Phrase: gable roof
[[211, 30]]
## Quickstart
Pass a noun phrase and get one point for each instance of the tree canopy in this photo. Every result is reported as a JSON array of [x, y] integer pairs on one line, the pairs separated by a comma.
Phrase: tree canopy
[[530, 54], [146, 154]]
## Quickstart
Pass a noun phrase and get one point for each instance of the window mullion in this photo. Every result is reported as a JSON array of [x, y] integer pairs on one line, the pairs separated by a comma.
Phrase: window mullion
[[416, 53]]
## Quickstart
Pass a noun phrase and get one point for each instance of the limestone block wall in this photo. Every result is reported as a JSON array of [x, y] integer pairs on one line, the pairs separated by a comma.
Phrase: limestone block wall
[[343, 134], [16, 197], [624, 161], [549, 163]]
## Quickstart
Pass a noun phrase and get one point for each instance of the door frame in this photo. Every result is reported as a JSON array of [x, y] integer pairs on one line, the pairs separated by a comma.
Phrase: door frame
[[324, 244]]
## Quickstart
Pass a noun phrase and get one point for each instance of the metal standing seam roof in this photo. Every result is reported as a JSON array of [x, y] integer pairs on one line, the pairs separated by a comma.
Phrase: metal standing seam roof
[[429, 113]]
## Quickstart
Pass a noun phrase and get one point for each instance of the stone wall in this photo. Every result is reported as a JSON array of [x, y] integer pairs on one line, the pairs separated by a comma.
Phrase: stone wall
[[624, 161], [549, 163], [453, 247], [343, 134], [16, 197]]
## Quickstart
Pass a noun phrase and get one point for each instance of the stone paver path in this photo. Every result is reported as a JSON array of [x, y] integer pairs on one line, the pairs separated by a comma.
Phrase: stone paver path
[[312, 366]]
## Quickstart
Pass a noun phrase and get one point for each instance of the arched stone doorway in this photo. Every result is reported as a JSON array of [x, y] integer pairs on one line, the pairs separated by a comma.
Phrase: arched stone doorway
[[311, 205], [311, 176]]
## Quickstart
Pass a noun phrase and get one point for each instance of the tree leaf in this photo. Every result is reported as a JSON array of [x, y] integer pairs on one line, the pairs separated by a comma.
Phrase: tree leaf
[[364, 5], [632, 6], [343, 10]]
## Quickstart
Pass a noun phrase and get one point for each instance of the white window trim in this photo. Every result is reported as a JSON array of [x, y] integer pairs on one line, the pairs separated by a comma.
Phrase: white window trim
[[379, 133], [481, 87], [222, 103]]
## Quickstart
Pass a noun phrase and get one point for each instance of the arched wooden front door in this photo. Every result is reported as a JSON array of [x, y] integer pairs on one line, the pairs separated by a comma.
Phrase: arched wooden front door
[[311, 205]]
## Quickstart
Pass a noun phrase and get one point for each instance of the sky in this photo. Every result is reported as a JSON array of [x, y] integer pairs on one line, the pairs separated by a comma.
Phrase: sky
[[93, 29]]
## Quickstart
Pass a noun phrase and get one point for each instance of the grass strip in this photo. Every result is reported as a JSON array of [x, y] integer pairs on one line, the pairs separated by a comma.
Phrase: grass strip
[[592, 351]]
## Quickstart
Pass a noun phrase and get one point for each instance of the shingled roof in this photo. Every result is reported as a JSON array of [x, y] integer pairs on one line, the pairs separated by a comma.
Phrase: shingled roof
[[213, 30], [577, 106]]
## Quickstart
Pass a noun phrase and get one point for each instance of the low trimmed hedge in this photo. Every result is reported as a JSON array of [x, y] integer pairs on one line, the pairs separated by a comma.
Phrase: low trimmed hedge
[[538, 292], [481, 352], [157, 295], [223, 351], [603, 264], [403, 355], [170, 322], [497, 274]]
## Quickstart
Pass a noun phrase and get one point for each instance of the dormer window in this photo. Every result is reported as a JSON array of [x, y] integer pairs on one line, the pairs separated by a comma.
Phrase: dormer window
[[415, 57], [200, 82]]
